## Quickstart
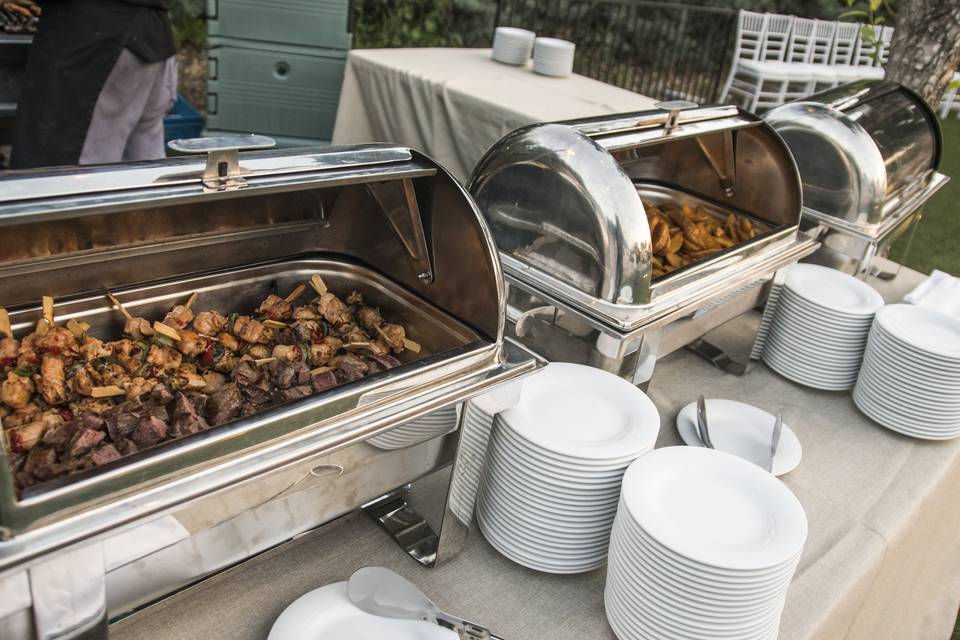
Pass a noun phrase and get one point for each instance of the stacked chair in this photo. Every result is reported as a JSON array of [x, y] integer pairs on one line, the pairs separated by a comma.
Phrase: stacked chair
[[779, 58]]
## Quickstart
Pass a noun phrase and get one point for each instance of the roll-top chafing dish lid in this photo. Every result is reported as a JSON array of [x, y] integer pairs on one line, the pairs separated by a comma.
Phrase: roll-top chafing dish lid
[[233, 227], [565, 203], [865, 151]]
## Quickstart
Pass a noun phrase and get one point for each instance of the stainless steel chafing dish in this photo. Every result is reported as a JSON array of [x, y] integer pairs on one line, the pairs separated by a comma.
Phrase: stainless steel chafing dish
[[565, 202], [868, 154], [234, 226]]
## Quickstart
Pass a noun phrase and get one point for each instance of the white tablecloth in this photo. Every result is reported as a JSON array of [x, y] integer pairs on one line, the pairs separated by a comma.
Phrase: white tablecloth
[[882, 561], [452, 104]]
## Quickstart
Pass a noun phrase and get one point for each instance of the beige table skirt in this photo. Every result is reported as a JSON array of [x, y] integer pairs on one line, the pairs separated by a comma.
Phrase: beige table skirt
[[882, 560], [452, 104]]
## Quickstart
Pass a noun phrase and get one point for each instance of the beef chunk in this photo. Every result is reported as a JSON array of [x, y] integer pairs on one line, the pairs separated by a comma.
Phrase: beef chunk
[[185, 418], [295, 393], [120, 425], [223, 405], [103, 455], [149, 431], [289, 374], [158, 411], [385, 361], [89, 421], [325, 380], [304, 332], [41, 463], [160, 394], [253, 382], [59, 436], [246, 373], [83, 441], [199, 401], [349, 367], [125, 446]]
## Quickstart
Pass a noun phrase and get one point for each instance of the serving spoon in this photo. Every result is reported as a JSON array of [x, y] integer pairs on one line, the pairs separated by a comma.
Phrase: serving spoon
[[385, 593]]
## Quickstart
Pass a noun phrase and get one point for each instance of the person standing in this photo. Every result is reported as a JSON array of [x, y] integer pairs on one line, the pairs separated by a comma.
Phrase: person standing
[[100, 78]]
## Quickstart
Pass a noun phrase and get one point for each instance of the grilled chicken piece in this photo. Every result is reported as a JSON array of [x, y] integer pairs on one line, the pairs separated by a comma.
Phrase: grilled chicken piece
[[166, 358], [52, 383], [138, 328], [93, 348], [20, 417], [288, 353], [321, 352], [140, 387], [56, 341], [369, 318], [9, 350], [250, 330], [128, 353], [355, 334], [209, 323], [275, 308], [333, 309], [192, 344], [16, 391], [258, 351], [27, 355], [393, 335], [179, 317], [306, 313], [114, 374], [95, 406], [228, 342], [83, 381]]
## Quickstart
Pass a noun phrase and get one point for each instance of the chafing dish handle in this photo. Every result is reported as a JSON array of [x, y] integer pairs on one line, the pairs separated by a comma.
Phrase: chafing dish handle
[[522, 325], [223, 171]]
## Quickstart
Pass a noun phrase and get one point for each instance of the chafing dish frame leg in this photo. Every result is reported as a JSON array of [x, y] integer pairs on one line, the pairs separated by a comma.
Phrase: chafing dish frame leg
[[408, 529]]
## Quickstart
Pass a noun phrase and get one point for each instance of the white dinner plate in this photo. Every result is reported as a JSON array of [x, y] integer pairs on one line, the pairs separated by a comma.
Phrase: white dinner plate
[[515, 467], [808, 310], [832, 289], [328, 613], [506, 439], [557, 566], [924, 397], [743, 430], [714, 508], [924, 329], [519, 515], [561, 461], [914, 356], [584, 412], [539, 541]]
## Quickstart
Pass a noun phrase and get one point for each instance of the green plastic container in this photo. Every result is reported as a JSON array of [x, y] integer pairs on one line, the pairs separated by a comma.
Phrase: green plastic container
[[311, 23], [273, 89]]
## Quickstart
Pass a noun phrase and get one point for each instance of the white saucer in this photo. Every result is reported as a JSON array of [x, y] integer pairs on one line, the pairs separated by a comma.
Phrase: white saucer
[[743, 430], [328, 613]]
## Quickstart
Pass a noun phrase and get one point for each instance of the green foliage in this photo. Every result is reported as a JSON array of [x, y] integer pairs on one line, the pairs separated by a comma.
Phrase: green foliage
[[423, 23], [875, 14], [189, 23]]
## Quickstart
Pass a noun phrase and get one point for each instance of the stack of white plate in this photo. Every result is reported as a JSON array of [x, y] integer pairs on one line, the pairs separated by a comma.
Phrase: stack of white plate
[[512, 46], [820, 327], [704, 546], [474, 438], [417, 430], [552, 475], [553, 57], [327, 612], [910, 379]]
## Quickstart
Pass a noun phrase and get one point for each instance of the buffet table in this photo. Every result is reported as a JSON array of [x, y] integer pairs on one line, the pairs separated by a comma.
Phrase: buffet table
[[882, 558], [452, 104]]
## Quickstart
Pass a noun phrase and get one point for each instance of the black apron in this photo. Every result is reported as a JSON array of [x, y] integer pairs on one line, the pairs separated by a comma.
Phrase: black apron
[[75, 48]]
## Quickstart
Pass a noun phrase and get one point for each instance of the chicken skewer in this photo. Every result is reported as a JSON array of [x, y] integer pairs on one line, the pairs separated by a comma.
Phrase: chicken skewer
[[134, 327]]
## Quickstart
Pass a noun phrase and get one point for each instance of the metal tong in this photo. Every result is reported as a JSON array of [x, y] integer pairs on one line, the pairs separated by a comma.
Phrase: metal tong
[[703, 429]]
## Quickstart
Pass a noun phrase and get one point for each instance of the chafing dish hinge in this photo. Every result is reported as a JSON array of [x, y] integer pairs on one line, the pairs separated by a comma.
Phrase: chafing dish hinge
[[223, 171]]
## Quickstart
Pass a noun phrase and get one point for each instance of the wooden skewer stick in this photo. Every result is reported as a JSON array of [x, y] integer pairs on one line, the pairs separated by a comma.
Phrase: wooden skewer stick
[[113, 299], [48, 310], [77, 328], [191, 299], [296, 293], [107, 391], [411, 345], [166, 330], [263, 361], [5, 327], [274, 324], [318, 284], [320, 370]]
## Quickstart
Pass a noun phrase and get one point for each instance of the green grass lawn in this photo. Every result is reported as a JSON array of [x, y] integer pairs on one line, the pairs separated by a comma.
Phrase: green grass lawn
[[936, 244]]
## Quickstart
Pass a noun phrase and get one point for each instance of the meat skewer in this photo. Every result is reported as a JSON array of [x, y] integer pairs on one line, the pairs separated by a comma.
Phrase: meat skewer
[[134, 327]]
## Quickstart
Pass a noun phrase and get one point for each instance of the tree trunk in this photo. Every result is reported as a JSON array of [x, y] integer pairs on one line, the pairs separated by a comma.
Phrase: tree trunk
[[925, 51]]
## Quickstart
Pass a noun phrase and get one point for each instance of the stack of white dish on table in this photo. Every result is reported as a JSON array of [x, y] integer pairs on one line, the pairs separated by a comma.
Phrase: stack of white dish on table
[[704, 546], [417, 430], [910, 378], [327, 612], [512, 46], [551, 480], [820, 327], [553, 57]]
